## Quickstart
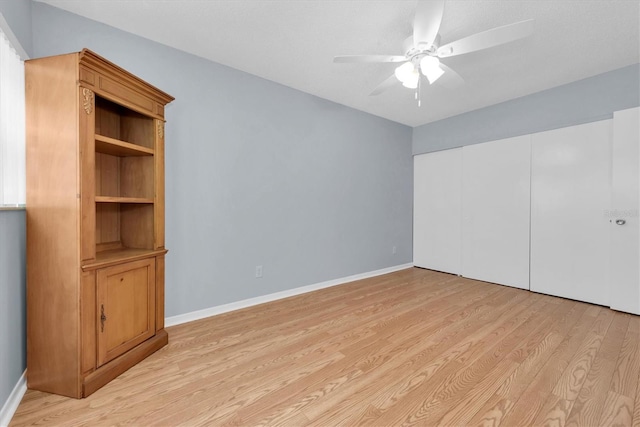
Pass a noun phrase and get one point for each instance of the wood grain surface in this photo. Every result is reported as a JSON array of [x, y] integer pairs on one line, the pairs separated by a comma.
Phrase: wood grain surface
[[415, 347]]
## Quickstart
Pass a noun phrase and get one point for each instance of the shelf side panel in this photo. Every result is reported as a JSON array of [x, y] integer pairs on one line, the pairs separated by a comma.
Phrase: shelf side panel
[[107, 175], [107, 223], [136, 177], [53, 226], [137, 225], [137, 129]]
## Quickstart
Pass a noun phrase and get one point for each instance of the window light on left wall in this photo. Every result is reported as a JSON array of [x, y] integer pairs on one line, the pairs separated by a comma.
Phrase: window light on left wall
[[12, 125]]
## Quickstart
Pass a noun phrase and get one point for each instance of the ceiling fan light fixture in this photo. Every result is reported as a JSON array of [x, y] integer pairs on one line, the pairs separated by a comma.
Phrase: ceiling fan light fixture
[[412, 83], [430, 67], [405, 71], [434, 74], [408, 75]]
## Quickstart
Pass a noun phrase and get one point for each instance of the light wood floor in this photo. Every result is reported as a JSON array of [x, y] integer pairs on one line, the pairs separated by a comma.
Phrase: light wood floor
[[412, 347]]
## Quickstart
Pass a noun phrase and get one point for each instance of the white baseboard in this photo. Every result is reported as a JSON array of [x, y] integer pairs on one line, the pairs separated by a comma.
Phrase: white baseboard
[[212, 311], [10, 406]]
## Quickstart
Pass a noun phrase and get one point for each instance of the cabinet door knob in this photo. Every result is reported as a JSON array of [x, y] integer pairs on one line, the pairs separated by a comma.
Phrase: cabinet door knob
[[103, 318], [620, 222]]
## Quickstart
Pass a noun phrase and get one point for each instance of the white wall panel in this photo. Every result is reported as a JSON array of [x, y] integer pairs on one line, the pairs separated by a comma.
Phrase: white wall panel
[[495, 211], [437, 210], [570, 193], [624, 275]]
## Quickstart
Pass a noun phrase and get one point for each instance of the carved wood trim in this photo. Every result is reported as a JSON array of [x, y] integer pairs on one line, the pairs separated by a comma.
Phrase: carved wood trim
[[160, 129], [88, 100]]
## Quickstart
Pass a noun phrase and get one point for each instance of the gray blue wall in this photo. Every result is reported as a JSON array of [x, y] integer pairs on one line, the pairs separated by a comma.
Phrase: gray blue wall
[[583, 101], [13, 338], [17, 13], [258, 173]]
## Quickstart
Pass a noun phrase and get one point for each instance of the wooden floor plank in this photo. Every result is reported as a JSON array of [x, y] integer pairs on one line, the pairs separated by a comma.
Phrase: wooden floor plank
[[531, 401], [430, 401], [617, 411], [585, 407], [414, 347], [555, 412], [573, 378], [252, 408], [359, 353], [493, 416], [438, 350], [496, 407], [627, 370], [593, 395]]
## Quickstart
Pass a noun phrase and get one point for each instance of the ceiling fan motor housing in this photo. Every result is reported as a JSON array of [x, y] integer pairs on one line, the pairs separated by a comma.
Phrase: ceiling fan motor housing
[[412, 50]]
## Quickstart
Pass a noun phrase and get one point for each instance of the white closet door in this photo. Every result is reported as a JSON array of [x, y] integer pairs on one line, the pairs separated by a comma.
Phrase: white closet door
[[624, 271], [437, 210], [495, 211], [570, 192]]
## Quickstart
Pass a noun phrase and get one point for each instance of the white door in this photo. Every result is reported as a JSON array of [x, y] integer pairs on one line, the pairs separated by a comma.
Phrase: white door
[[570, 194], [623, 216], [437, 210], [495, 211]]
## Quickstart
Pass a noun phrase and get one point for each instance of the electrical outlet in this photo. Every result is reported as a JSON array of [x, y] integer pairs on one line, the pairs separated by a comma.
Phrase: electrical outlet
[[394, 250], [258, 271]]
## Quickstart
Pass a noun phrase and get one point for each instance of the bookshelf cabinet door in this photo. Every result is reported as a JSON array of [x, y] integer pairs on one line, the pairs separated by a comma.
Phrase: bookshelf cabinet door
[[125, 307]]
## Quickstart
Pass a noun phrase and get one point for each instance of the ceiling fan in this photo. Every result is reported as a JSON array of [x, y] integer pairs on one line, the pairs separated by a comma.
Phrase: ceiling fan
[[422, 50]]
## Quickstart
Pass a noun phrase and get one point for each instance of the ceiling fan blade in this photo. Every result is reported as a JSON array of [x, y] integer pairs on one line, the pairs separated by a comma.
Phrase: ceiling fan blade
[[487, 39], [389, 82], [450, 79], [426, 22], [369, 58]]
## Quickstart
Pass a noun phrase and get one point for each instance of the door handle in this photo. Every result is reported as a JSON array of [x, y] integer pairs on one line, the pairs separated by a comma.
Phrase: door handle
[[103, 318], [620, 222]]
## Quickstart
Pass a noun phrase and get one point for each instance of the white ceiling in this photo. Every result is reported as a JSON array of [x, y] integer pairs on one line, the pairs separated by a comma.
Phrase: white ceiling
[[292, 42]]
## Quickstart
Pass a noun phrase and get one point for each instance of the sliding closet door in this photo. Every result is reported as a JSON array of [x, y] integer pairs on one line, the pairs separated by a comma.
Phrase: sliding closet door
[[570, 192], [437, 210], [623, 216], [495, 211]]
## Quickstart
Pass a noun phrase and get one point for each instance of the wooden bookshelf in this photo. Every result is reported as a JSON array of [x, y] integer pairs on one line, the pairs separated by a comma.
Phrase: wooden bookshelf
[[95, 219]]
